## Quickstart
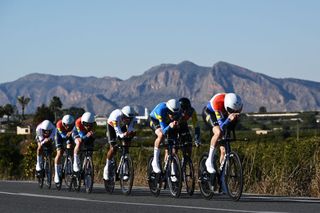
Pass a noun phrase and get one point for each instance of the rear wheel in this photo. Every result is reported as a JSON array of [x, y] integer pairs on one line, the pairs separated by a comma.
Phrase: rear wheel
[[233, 176], [174, 175], [88, 174], [188, 175], [205, 179], [154, 179], [126, 175]]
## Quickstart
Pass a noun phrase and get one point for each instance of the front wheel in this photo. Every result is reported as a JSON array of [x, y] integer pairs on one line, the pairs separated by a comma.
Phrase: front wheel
[[68, 172], [188, 175], [88, 174], [154, 179], [205, 185], [48, 171], [174, 175], [126, 175], [233, 176]]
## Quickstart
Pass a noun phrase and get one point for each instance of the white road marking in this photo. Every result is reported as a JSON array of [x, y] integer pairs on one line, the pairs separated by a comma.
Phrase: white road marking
[[132, 203]]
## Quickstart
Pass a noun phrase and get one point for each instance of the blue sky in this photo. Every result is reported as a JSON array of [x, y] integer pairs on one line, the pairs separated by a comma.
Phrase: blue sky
[[118, 38]]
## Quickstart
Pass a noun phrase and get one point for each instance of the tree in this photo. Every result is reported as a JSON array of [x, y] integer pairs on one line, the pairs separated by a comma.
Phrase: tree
[[55, 106], [23, 101], [8, 110], [43, 113]]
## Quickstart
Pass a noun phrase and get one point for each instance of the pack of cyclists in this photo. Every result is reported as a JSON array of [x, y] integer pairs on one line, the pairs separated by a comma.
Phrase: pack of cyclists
[[168, 119]]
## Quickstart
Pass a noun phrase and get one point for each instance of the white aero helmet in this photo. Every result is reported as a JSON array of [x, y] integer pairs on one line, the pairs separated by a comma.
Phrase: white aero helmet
[[173, 105], [232, 103], [47, 125], [68, 120], [128, 111], [87, 117]]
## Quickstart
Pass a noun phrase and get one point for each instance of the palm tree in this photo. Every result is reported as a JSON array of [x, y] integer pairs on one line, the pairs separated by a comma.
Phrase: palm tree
[[55, 106], [23, 101]]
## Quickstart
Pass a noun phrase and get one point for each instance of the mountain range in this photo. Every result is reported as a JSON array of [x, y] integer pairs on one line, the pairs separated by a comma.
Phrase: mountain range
[[162, 82]]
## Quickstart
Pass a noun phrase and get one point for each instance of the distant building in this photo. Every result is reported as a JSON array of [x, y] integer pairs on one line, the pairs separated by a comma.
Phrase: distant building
[[101, 120], [143, 118], [23, 130]]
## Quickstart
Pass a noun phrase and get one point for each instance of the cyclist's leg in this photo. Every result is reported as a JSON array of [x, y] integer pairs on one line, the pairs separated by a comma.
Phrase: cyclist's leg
[[112, 139], [76, 157], [154, 124], [39, 156], [211, 120], [57, 159]]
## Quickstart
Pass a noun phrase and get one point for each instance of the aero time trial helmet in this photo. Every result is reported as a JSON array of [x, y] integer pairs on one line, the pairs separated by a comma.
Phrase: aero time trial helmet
[[128, 111], [87, 118], [185, 103], [232, 103], [67, 120], [173, 105], [47, 127]]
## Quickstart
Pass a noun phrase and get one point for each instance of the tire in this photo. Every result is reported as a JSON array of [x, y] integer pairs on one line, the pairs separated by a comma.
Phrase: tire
[[88, 174], [174, 186], [40, 177], [188, 175], [68, 172], [205, 179], [109, 184], [233, 176], [126, 169], [154, 179], [48, 171]]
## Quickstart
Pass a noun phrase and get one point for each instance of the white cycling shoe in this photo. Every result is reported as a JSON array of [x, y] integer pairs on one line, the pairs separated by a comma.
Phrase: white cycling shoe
[[76, 166], [210, 167], [155, 166], [38, 167], [56, 178], [125, 177]]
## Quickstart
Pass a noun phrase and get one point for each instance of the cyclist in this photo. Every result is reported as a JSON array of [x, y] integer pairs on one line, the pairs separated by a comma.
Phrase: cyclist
[[163, 120], [63, 139], [187, 112], [45, 133], [120, 127], [222, 110], [82, 133]]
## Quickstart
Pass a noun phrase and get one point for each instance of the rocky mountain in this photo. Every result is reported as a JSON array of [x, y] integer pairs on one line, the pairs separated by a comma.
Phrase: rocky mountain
[[163, 82]]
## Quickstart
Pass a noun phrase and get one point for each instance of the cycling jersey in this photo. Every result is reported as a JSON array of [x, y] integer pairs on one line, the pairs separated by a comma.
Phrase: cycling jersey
[[183, 122], [160, 114], [61, 130], [216, 107], [115, 120], [79, 130], [61, 136], [39, 133]]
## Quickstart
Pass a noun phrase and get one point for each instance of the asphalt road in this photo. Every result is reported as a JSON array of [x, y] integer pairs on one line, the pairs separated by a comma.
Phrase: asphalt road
[[19, 196]]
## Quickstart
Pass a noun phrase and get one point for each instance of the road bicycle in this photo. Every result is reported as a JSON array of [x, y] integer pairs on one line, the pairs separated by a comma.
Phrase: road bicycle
[[229, 175], [124, 172], [187, 169], [86, 172], [45, 175], [170, 175], [67, 170]]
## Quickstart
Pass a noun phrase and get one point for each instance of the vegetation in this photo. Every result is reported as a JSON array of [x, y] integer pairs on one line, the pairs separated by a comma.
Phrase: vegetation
[[286, 161]]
